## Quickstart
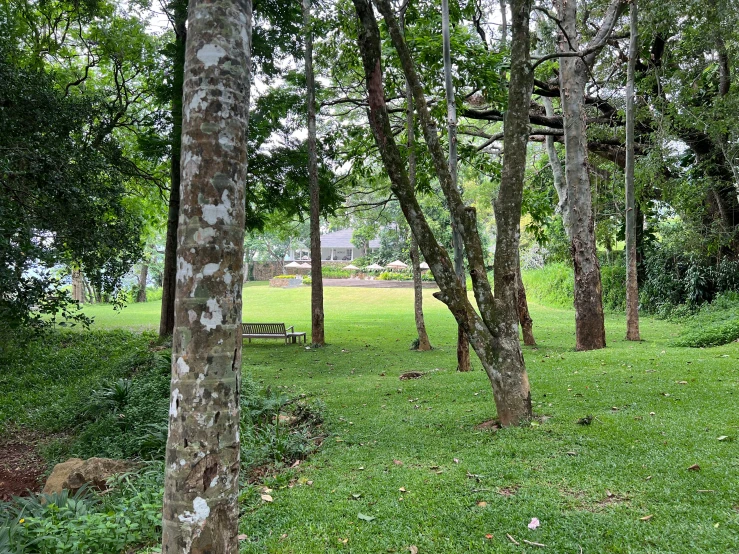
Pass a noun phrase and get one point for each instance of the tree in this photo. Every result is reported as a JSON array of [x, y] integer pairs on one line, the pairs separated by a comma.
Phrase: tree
[[574, 66], [169, 275], [200, 512], [493, 332], [463, 347], [632, 287], [316, 298]]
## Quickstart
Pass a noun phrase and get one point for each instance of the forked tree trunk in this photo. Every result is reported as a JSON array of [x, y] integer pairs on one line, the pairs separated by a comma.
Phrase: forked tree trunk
[[200, 511], [316, 273], [143, 275], [463, 345], [632, 287], [493, 332], [169, 272], [590, 330]]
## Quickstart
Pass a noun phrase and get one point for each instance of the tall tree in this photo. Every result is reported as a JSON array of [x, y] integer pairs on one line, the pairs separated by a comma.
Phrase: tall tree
[[493, 332], [632, 287], [463, 346], [169, 273], [200, 512], [316, 272], [574, 68]]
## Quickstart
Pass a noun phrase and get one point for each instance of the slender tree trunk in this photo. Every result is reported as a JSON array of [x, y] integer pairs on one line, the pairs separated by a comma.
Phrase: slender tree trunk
[[573, 72], [89, 293], [503, 23], [169, 272], [143, 275], [493, 332], [423, 339], [524, 317], [463, 345], [316, 274], [200, 510], [632, 287], [78, 288]]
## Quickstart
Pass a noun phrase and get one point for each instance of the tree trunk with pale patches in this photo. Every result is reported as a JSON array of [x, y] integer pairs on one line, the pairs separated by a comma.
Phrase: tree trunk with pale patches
[[200, 512], [143, 276], [493, 331]]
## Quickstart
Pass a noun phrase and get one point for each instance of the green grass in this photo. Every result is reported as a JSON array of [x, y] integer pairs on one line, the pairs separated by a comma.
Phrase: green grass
[[557, 471]]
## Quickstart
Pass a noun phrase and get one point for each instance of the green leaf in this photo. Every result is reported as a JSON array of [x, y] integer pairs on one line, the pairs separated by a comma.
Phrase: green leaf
[[364, 517]]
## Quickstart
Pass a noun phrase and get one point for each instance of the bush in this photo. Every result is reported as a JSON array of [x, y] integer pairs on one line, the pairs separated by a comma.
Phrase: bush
[[712, 324], [552, 285], [331, 272], [717, 335], [285, 277], [85, 522]]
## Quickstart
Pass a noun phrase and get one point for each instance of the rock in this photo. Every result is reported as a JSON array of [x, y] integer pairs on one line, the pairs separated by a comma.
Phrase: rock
[[75, 472]]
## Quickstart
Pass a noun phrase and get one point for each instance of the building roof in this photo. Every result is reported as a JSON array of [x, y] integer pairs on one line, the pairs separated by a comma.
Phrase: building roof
[[343, 239]]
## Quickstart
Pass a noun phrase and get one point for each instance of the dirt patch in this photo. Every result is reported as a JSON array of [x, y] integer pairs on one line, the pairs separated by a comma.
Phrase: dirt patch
[[490, 425], [21, 467], [508, 491]]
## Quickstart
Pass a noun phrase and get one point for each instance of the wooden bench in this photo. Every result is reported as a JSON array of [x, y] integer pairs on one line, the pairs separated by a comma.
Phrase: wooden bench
[[270, 331]]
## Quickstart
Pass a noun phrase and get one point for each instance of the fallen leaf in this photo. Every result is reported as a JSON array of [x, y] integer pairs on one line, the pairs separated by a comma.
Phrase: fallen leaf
[[397, 462], [456, 460], [723, 438], [413, 549], [267, 498], [488, 536], [482, 504], [646, 518], [694, 467], [571, 453], [364, 517], [681, 382], [357, 496], [534, 523], [242, 537], [715, 525], [402, 489], [343, 541], [609, 494]]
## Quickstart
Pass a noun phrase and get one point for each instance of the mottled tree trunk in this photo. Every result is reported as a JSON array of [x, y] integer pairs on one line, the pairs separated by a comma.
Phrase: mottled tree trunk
[[463, 345], [200, 512], [493, 332], [578, 218], [632, 287], [169, 272], [143, 275], [316, 300]]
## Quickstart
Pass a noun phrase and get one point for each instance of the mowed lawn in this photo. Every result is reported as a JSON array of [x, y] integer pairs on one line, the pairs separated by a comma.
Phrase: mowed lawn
[[406, 466]]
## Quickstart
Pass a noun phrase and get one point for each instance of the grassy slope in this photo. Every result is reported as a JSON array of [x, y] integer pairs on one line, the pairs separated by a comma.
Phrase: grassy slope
[[561, 472]]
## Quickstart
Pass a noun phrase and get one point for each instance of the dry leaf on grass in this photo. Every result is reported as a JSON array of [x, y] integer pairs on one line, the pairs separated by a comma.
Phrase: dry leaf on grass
[[646, 518], [413, 549], [267, 498], [694, 467], [534, 523]]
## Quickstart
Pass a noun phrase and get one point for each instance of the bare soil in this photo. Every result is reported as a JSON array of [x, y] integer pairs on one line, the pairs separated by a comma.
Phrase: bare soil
[[21, 467]]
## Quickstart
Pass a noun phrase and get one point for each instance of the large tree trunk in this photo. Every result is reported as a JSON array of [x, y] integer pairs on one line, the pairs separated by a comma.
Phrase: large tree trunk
[[463, 346], [573, 74], [200, 511], [493, 333], [632, 287], [316, 274], [143, 275], [169, 272]]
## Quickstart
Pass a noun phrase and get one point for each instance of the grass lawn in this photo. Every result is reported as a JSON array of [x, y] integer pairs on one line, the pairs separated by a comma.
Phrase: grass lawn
[[405, 464]]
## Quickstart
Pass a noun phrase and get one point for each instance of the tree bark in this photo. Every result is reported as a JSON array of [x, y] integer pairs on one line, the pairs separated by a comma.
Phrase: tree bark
[[169, 272], [463, 346], [78, 288], [423, 339], [573, 73], [493, 333], [524, 317], [143, 274], [200, 510], [632, 287], [316, 274]]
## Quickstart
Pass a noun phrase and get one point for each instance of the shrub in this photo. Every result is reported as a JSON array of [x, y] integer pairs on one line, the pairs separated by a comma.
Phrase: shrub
[[285, 277], [716, 335], [552, 285]]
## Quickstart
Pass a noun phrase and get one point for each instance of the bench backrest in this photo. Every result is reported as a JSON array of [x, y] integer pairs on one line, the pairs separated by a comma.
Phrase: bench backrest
[[263, 328]]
